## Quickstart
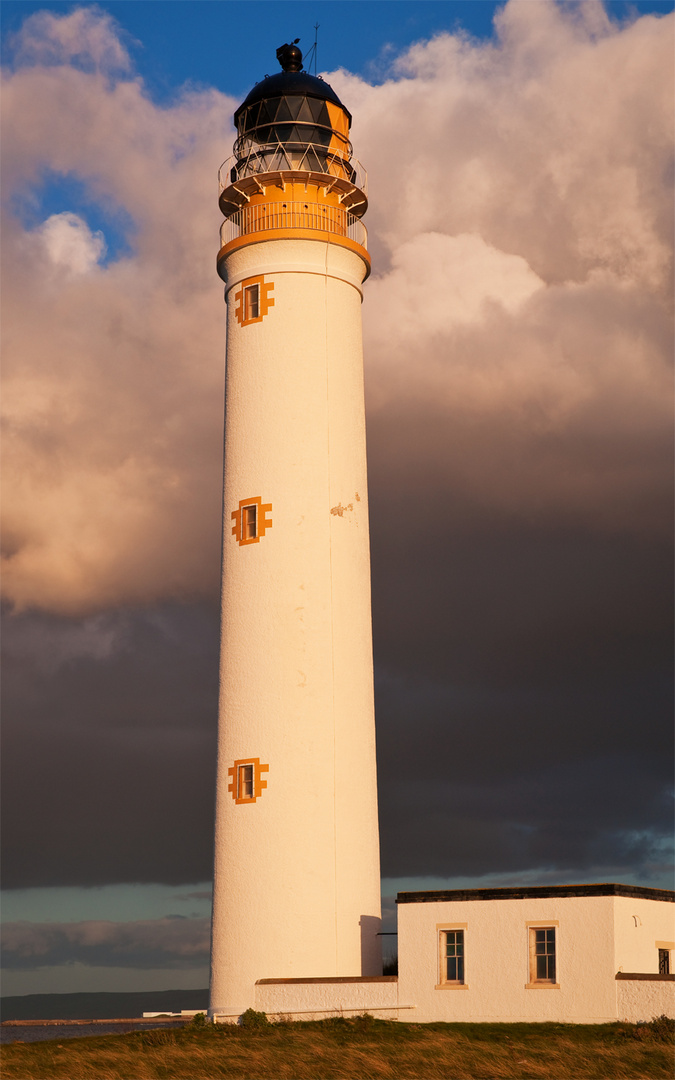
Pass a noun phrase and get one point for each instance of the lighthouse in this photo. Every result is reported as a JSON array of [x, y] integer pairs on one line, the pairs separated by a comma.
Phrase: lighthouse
[[296, 875]]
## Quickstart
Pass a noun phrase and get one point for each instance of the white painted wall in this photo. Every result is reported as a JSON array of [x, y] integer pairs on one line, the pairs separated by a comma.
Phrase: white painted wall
[[317, 999], [638, 925], [641, 1000], [497, 960], [297, 889]]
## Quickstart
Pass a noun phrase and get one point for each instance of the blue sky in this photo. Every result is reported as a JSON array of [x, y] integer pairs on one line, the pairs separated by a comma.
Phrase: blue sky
[[207, 43], [228, 46], [210, 42]]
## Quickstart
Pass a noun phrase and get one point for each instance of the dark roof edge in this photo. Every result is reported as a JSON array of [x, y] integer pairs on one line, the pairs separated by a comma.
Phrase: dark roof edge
[[532, 892], [642, 976], [299, 83], [329, 980]]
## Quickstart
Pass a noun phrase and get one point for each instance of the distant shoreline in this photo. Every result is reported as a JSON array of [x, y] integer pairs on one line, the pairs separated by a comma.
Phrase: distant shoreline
[[107, 1006], [152, 1021]]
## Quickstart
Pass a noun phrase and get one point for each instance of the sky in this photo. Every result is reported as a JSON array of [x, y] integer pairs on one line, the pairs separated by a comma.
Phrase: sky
[[518, 343]]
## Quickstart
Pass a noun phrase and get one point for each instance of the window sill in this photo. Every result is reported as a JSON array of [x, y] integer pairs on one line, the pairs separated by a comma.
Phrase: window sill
[[452, 986], [542, 986]]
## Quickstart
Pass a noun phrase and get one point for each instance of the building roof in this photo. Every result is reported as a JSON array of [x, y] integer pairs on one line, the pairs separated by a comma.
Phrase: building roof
[[290, 83], [534, 892]]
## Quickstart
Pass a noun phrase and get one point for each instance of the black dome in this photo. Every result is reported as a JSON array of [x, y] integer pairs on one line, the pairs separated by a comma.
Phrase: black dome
[[290, 84]]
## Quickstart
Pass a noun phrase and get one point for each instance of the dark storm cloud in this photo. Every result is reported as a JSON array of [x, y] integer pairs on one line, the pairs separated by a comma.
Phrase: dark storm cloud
[[171, 942], [524, 715], [109, 759], [540, 740]]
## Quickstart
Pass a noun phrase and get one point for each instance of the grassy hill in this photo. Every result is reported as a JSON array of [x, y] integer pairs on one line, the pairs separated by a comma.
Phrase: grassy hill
[[361, 1049]]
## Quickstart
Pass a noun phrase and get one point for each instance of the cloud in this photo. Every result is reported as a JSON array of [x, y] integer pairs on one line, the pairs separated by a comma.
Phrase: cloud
[[518, 340], [171, 942], [88, 37], [113, 396], [438, 282], [109, 746], [521, 221], [70, 244], [549, 148]]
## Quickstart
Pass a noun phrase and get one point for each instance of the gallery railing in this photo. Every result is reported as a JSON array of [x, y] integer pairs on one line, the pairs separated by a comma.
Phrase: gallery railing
[[263, 217]]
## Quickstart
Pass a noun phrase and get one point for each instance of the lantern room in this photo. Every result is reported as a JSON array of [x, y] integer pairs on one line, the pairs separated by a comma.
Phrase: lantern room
[[292, 166]]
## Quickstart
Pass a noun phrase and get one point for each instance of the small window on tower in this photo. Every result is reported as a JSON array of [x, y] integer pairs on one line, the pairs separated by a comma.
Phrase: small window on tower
[[250, 520], [253, 299], [249, 524], [251, 302], [245, 782], [664, 961]]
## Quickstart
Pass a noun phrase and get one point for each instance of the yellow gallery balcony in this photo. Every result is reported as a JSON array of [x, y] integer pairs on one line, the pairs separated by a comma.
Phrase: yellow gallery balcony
[[276, 217]]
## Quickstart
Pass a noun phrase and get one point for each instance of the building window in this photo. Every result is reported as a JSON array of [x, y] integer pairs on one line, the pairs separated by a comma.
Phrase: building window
[[451, 956], [250, 520], [246, 782], [454, 956], [542, 955], [251, 302], [253, 299], [664, 961]]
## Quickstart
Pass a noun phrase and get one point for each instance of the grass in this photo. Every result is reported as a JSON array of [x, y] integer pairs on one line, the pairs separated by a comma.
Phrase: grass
[[359, 1049]]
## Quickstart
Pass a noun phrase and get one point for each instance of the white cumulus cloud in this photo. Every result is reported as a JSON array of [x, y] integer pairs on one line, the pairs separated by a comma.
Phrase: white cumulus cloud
[[87, 35], [517, 324], [70, 243]]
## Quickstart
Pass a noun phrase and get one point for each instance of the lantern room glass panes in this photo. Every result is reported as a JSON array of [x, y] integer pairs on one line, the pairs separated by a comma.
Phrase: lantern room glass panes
[[261, 120], [293, 132]]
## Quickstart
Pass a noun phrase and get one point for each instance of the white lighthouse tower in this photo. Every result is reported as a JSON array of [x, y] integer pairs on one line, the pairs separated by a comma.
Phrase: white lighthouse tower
[[297, 884]]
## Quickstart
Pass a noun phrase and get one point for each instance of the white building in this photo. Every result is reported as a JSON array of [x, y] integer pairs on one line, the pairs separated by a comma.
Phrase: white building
[[296, 909], [583, 954], [578, 953]]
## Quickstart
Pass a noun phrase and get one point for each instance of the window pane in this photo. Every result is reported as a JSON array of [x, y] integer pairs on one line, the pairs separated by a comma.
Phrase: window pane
[[454, 949], [283, 111], [249, 522], [246, 782], [252, 302], [543, 969], [305, 112]]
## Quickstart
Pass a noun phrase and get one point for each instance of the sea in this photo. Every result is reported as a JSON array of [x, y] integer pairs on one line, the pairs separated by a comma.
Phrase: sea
[[34, 1017]]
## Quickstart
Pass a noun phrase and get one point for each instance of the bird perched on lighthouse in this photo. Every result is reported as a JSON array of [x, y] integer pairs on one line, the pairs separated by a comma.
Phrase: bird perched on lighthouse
[[296, 879]]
